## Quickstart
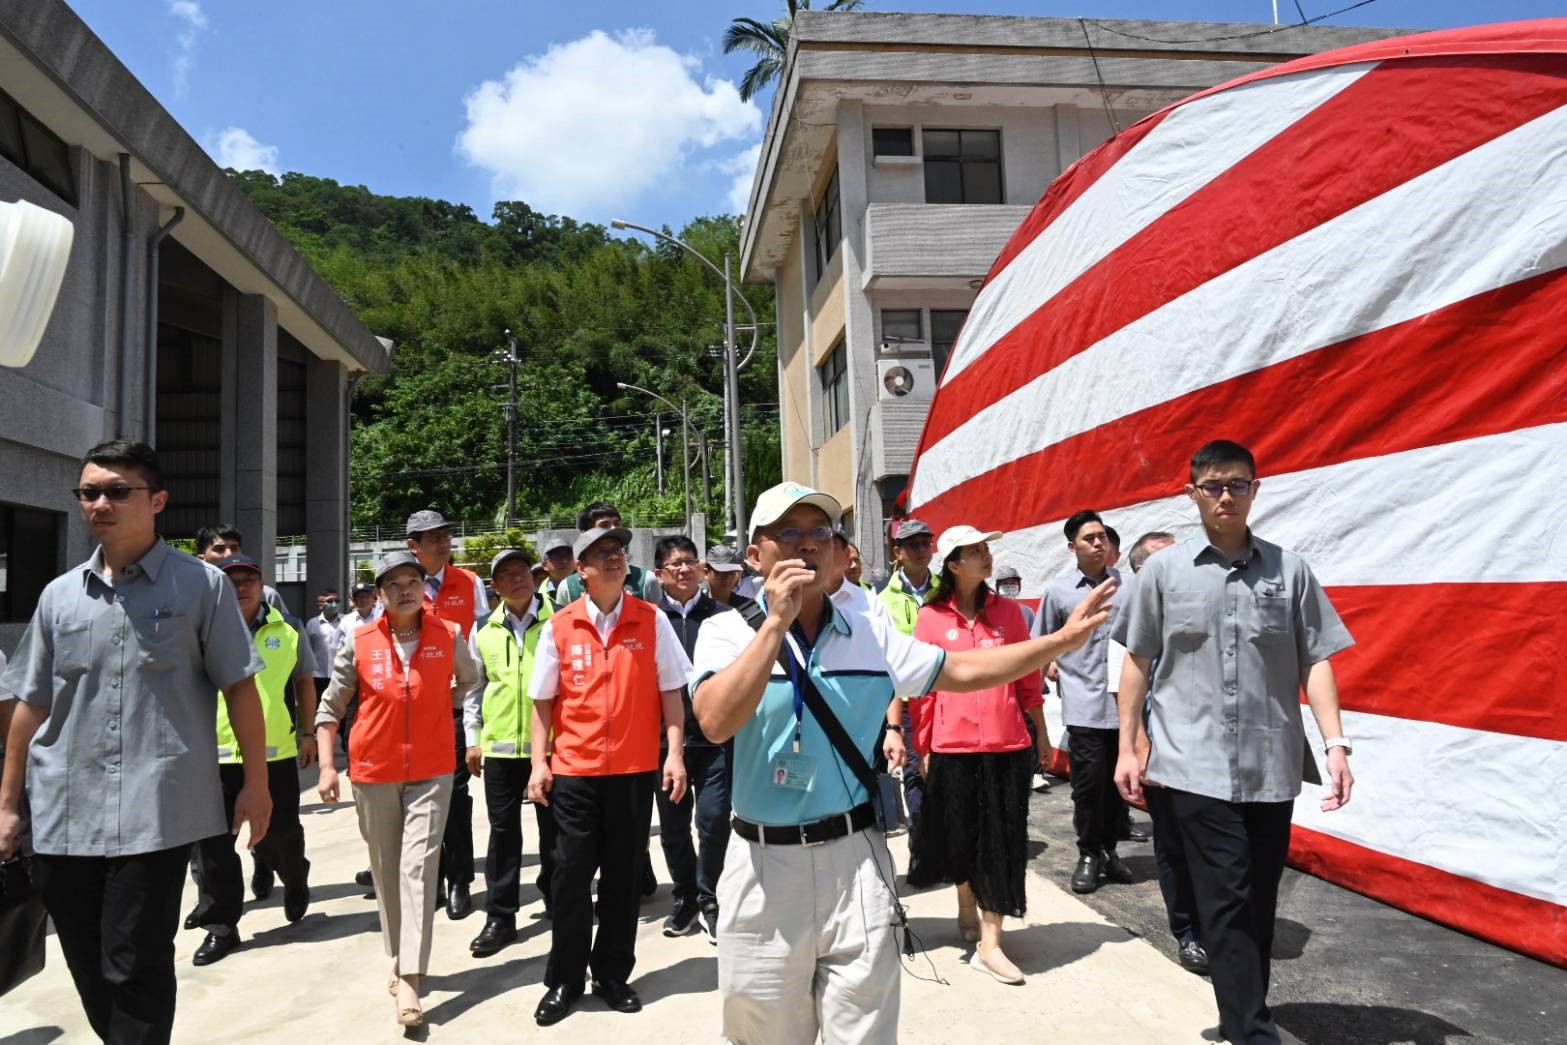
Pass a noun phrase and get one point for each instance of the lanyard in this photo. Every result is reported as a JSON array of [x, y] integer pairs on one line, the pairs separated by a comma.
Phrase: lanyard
[[799, 693]]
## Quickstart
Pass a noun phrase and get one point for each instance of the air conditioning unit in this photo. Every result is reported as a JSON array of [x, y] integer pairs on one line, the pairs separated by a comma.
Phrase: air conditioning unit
[[905, 379]]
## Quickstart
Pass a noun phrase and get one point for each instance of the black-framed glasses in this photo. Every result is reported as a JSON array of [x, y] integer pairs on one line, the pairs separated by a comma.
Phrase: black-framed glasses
[[793, 534], [116, 494], [1236, 487], [680, 564], [611, 550]]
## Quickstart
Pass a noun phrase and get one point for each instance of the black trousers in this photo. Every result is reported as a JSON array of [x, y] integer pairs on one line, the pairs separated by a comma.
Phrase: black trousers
[[220, 891], [1097, 807], [1175, 877], [1236, 853], [457, 842], [505, 788], [696, 878], [913, 783], [603, 823], [116, 917]]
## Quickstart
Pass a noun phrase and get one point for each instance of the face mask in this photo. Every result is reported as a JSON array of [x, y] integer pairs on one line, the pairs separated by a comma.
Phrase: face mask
[[330, 606], [1009, 590]]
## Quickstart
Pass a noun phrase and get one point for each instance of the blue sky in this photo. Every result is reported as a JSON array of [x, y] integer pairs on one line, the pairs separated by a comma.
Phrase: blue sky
[[595, 109]]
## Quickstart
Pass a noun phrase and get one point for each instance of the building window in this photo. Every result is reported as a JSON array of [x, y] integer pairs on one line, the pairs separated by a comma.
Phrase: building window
[[835, 389], [29, 559], [31, 146], [901, 326], [944, 326], [829, 226], [962, 166], [892, 141]]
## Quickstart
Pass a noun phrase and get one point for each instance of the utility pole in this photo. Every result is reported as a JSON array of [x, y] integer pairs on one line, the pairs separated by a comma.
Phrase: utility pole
[[658, 449], [732, 376], [707, 468], [512, 361]]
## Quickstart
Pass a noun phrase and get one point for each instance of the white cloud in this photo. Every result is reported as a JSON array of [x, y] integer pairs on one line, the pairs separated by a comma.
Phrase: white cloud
[[237, 148], [192, 21], [742, 168], [599, 122]]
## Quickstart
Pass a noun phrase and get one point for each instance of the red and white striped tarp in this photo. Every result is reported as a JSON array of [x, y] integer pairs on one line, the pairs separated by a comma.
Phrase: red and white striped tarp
[[1356, 264]]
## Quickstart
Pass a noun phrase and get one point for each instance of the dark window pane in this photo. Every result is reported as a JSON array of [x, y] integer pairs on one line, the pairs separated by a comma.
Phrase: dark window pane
[[981, 145], [941, 144], [892, 141], [11, 133], [901, 324], [29, 559], [982, 182], [827, 225], [945, 323], [943, 181], [48, 159]]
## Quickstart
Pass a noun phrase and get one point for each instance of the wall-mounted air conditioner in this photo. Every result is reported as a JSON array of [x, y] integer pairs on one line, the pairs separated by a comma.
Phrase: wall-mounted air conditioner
[[905, 379]]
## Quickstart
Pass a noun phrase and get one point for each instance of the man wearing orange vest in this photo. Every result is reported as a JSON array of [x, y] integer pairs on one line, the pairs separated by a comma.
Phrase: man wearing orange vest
[[607, 674], [455, 595]]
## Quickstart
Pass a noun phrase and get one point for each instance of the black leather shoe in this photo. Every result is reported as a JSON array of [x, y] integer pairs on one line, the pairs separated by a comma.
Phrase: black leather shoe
[[498, 931], [1086, 878], [1137, 834], [1117, 871], [190, 921], [620, 996], [364, 878], [261, 882], [216, 947], [458, 903], [1193, 958], [557, 1004], [295, 902]]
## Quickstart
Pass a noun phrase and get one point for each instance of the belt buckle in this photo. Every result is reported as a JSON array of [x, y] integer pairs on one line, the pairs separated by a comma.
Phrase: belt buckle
[[805, 841]]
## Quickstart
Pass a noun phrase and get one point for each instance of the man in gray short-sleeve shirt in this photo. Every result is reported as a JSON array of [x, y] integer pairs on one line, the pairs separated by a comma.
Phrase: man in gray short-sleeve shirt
[[1237, 626], [117, 679]]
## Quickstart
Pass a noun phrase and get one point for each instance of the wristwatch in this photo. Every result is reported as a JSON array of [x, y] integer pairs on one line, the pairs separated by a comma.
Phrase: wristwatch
[[896, 727], [1343, 742]]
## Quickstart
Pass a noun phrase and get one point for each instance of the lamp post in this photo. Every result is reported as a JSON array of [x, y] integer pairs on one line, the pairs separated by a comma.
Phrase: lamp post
[[685, 444], [732, 365]]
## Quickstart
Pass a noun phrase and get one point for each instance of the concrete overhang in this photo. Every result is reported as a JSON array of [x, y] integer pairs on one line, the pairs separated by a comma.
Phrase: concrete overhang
[[985, 60], [58, 69]]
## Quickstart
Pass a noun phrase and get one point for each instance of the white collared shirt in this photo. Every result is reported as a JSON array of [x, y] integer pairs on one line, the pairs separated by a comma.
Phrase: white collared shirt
[[674, 667], [682, 608]]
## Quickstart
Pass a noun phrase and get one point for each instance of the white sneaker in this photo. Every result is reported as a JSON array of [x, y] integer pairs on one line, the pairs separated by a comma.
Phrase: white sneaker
[[1041, 783], [979, 963]]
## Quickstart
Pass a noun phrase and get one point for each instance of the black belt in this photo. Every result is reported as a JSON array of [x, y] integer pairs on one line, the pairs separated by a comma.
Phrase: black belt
[[815, 833]]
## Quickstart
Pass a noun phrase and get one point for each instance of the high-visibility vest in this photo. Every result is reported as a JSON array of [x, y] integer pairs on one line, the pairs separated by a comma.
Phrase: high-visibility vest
[[608, 715], [903, 604], [403, 728], [278, 644], [455, 601], [507, 730]]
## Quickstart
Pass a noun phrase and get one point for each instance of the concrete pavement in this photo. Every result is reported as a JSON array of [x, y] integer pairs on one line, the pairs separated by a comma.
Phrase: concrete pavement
[[323, 979]]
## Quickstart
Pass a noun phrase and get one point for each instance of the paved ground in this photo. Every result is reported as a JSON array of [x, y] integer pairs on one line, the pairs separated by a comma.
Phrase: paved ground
[[1348, 970], [323, 979]]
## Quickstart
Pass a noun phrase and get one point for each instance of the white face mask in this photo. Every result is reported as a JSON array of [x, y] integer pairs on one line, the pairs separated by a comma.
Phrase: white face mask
[[1009, 589]]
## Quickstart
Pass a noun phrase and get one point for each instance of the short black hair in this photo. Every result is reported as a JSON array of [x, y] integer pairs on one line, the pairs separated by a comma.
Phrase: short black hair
[[1113, 537], [1222, 451], [673, 543], [207, 534], [1079, 520], [127, 453], [1140, 550], [589, 516], [326, 591]]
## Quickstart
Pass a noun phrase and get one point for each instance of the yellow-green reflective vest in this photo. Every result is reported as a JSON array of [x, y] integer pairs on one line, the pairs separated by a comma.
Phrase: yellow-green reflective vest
[[901, 602], [507, 730], [278, 644]]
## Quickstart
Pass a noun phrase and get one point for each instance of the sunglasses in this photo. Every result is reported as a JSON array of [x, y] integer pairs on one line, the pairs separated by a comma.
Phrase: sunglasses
[[116, 494]]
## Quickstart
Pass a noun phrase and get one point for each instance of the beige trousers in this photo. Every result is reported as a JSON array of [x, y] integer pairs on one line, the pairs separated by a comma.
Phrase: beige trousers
[[805, 943], [402, 824]]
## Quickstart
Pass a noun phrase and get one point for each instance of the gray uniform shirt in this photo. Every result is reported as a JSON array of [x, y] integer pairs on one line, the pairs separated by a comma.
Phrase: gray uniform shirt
[[1084, 673], [129, 671], [1232, 642]]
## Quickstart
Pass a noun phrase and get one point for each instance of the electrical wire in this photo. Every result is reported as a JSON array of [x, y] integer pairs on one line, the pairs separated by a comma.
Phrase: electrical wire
[[1233, 36]]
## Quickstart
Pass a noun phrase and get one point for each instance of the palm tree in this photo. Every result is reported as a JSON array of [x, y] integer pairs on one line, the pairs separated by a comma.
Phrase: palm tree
[[771, 41]]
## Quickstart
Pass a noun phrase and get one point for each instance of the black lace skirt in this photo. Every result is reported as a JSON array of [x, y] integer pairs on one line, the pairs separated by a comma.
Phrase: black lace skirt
[[973, 827]]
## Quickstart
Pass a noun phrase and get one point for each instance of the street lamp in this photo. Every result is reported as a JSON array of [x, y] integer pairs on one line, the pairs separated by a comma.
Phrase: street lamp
[[735, 488], [685, 443]]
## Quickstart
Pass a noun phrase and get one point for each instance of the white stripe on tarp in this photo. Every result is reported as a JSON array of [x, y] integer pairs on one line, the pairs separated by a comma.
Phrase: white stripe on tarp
[[1485, 806], [1489, 218], [1211, 134], [1485, 510]]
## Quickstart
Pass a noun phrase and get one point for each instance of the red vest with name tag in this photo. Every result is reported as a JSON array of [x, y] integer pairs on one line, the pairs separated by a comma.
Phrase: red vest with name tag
[[403, 728], [608, 716]]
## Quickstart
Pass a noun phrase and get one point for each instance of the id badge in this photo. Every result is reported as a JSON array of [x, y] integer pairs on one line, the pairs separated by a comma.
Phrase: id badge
[[794, 772]]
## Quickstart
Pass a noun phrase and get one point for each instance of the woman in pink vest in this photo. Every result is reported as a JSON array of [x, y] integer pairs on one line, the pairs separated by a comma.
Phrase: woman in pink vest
[[973, 829], [402, 667]]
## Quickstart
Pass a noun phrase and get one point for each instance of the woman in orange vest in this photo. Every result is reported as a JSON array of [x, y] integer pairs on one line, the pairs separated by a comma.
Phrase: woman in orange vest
[[402, 666]]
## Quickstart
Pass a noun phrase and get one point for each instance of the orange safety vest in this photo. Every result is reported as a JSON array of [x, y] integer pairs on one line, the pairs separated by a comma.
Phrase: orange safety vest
[[403, 729], [454, 602], [608, 715]]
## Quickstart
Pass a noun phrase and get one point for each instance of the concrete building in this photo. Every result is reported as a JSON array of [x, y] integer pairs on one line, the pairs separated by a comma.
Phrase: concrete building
[[185, 319], [901, 153]]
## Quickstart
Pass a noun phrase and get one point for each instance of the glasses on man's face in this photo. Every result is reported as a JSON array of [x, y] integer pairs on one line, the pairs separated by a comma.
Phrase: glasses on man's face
[[117, 494], [915, 543], [1236, 487], [612, 551], [677, 565], [794, 534]]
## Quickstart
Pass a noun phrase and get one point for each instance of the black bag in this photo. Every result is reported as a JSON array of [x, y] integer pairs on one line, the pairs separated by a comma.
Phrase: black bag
[[22, 919]]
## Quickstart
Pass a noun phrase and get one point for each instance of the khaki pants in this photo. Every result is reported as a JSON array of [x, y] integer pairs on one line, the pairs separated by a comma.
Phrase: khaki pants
[[805, 943], [402, 824]]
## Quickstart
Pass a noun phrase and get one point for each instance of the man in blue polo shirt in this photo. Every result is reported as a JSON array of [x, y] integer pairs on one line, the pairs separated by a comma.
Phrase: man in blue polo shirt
[[806, 907]]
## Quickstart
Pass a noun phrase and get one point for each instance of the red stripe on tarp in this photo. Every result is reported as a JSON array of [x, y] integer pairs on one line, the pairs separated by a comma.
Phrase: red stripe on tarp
[[1389, 127], [1522, 923], [1490, 364]]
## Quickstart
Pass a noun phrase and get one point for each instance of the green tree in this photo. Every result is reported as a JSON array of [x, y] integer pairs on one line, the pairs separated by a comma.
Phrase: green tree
[[478, 550], [770, 41]]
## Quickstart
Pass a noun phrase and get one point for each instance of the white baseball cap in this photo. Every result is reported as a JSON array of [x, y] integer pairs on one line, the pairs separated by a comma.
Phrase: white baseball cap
[[955, 537], [775, 503]]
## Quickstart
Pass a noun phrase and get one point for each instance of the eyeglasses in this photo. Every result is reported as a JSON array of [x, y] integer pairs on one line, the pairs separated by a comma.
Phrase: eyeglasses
[[680, 564], [600, 554], [793, 534], [914, 542], [117, 494], [1237, 488]]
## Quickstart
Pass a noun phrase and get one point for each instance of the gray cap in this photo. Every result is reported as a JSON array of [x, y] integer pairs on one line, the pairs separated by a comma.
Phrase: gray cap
[[910, 528], [391, 560], [588, 538], [724, 559], [1006, 573], [554, 543], [509, 553], [424, 520]]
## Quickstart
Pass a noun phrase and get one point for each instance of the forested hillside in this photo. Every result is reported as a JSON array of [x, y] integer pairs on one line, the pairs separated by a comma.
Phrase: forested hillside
[[587, 307]]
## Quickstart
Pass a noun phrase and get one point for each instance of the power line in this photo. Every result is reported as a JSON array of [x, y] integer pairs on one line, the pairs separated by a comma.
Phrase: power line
[[1233, 36]]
